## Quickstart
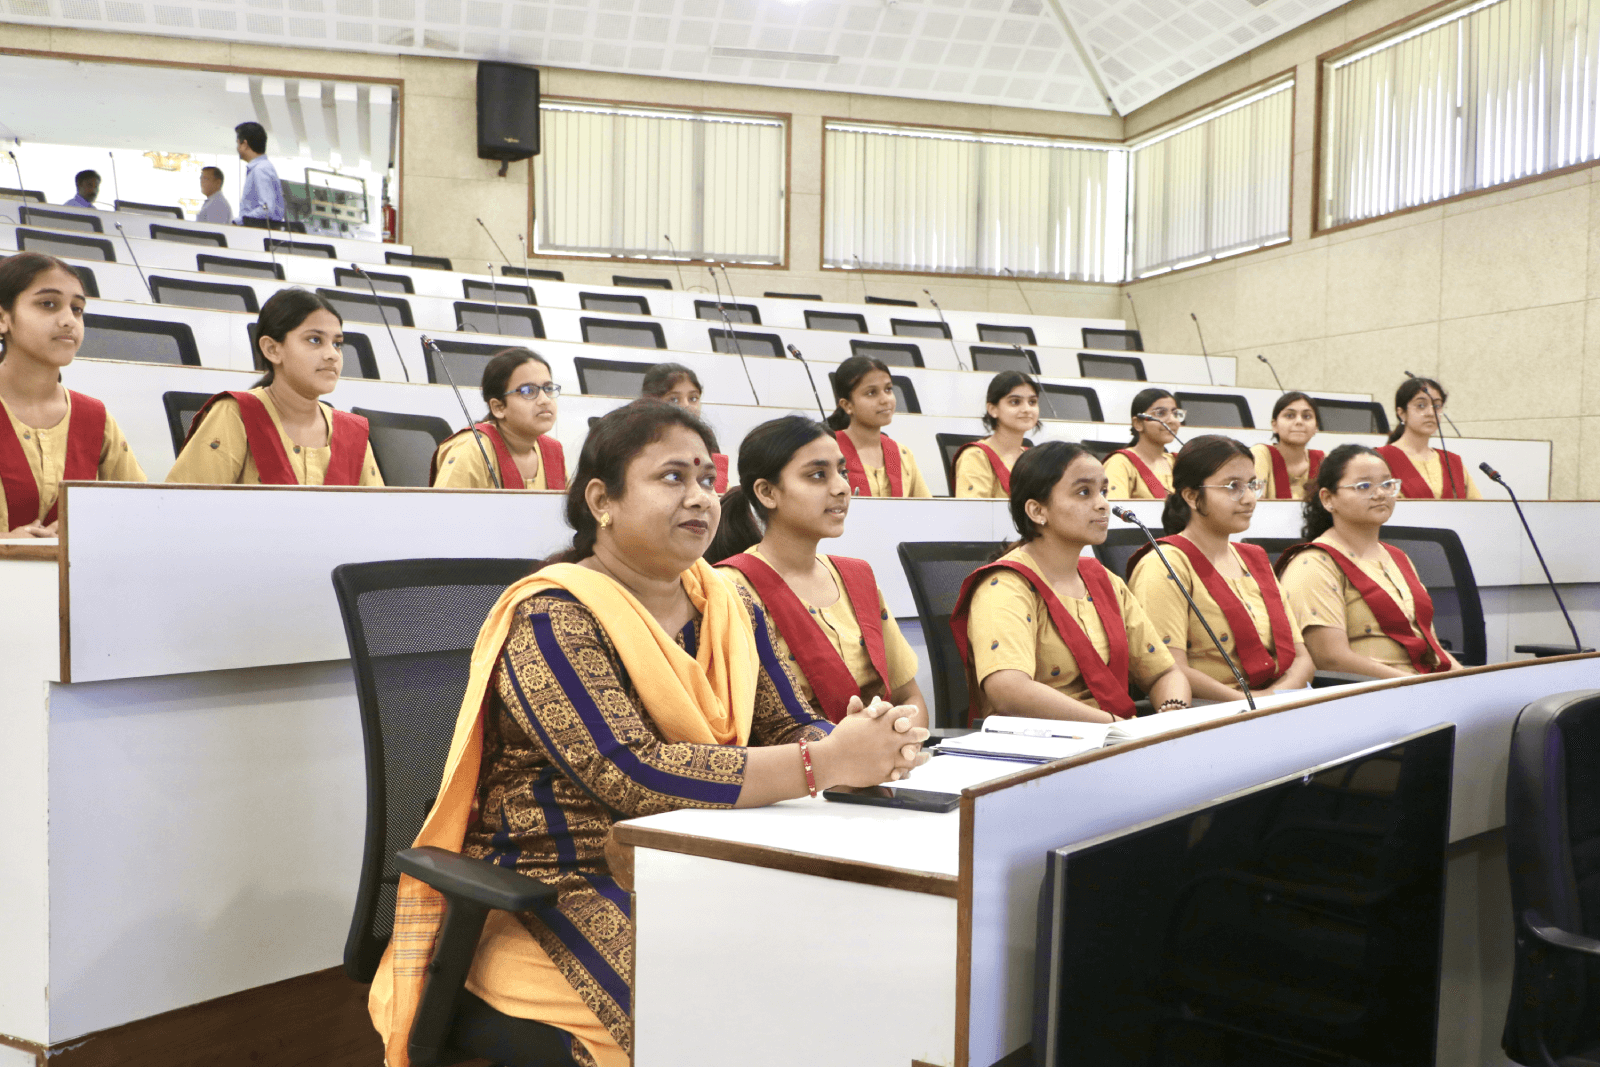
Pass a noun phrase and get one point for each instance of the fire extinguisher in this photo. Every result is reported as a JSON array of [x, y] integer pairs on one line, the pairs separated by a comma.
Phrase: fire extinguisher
[[391, 222]]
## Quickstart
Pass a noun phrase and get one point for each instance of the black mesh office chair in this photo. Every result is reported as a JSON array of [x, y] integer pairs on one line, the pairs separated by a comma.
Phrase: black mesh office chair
[[350, 278], [496, 293], [181, 409], [894, 353], [509, 271], [66, 245], [641, 283], [50, 219], [1553, 854], [905, 393], [949, 445], [746, 342], [403, 444], [892, 300], [935, 571], [403, 259], [1351, 416], [837, 321], [793, 296], [214, 296], [360, 361], [614, 303], [208, 263], [286, 247], [1119, 546], [172, 211], [738, 314], [507, 320], [1114, 340], [918, 328], [185, 235], [462, 369], [1119, 368], [1006, 335], [1071, 403], [138, 340], [610, 377], [992, 360], [411, 625], [623, 333], [1222, 410], [356, 306]]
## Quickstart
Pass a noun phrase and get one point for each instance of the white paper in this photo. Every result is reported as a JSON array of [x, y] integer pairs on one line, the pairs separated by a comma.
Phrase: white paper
[[1084, 737], [952, 774], [1168, 721]]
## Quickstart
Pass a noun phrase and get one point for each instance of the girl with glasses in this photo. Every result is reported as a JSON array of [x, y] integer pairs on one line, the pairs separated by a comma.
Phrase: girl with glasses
[[877, 466], [1011, 411], [1287, 465], [1214, 493], [680, 385], [1425, 472], [515, 436], [1143, 470], [1359, 602]]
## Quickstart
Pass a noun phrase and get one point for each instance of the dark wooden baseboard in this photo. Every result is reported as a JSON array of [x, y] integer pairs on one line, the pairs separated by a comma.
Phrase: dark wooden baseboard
[[315, 1020]]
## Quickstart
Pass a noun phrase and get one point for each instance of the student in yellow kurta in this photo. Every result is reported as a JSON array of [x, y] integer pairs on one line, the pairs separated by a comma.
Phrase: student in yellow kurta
[[680, 385], [1047, 632], [1287, 465], [1359, 602], [1143, 470], [280, 433], [1214, 491], [515, 437], [1425, 472], [1011, 412], [48, 433], [830, 622], [878, 466]]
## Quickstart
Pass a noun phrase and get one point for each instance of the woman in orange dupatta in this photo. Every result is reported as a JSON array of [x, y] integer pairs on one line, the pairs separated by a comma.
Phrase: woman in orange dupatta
[[570, 723]]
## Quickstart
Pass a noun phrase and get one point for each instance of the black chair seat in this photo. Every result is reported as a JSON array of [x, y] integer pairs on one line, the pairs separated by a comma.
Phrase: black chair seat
[[935, 571], [479, 1030]]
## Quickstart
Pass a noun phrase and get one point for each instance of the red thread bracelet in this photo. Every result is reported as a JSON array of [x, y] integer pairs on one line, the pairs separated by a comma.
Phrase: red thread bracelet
[[805, 761]]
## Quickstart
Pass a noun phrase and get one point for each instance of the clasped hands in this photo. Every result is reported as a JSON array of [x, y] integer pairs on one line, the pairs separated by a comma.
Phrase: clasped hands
[[879, 742]]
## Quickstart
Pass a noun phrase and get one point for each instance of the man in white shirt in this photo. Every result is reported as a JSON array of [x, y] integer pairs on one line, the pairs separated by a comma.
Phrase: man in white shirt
[[216, 208]]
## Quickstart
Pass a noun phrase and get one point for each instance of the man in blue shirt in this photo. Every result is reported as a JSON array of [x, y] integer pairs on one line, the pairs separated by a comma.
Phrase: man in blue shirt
[[262, 194], [88, 183]]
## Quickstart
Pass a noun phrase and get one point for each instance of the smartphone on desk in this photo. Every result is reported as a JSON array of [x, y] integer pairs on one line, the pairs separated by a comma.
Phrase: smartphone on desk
[[885, 797]]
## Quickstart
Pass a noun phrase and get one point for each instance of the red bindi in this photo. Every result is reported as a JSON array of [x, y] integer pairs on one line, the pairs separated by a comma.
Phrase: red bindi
[[697, 461]]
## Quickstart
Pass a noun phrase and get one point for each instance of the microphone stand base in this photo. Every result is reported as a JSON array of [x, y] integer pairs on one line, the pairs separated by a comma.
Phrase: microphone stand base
[[1546, 651]]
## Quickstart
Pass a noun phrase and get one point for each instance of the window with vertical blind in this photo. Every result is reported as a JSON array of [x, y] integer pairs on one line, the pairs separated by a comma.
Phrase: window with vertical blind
[[1489, 93], [1213, 186], [624, 181], [945, 201]]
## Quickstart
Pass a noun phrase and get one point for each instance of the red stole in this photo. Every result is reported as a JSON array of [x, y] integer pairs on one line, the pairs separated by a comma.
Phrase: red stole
[[1391, 617], [824, 669], [552, 459], [721, 463], [1108, 681], [1151, 482], [86, 436], [347, 442], [1280, 470], [859, 485], [1001, 471], [1413, 486]]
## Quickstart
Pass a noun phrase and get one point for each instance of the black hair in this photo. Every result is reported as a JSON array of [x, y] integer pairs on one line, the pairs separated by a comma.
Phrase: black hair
[[1141, 403], [845, 380], [1000, 387], [1290, 398], [498, 371], [215, 172], [763, 454], [18, 272], [613, 443], [85, 175], [252, 134], [1197, 461], [1034, 477], [662, 378], [1408, 392], [284, 311], [1316, 520]]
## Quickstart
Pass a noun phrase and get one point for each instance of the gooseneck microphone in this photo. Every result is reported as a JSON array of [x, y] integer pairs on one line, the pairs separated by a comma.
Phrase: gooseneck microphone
[[1494, 475], [1446, 414], [675, 264], [795, 352], [1169, 429], [496, 244], [22, 189], [116, 183], [472, 425], [1273, 369], [384, 315], [733, 336], [1020, 290], [1203, 353], [522, 239], [129, 244], [1135, 309], [1127, 515], [1044, 394], [948, 336], [272, 244], [494, 296], [1449, 474]]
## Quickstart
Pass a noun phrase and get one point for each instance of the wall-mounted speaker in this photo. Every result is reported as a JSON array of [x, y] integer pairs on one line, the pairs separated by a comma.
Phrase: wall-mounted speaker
[[508, 112]]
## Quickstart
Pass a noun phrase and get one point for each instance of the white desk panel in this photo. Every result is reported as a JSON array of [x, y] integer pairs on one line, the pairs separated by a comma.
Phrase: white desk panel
[[137, 226]]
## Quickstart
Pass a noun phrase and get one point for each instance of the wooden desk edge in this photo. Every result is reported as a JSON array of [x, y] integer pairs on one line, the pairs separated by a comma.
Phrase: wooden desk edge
[[38, 553], [781, 859]]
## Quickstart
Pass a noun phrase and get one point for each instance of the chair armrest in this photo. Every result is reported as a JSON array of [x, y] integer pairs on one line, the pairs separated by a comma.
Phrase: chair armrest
[[455, 875], [1545, 651], [1327, 679], [1556, 937]]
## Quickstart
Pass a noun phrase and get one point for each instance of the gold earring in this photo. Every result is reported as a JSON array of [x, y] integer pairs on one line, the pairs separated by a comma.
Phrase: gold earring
[[605, 519]]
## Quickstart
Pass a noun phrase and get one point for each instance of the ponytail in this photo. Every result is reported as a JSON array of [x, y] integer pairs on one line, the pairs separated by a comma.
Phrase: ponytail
[[738, 531], [1316, 520], [845, 380]]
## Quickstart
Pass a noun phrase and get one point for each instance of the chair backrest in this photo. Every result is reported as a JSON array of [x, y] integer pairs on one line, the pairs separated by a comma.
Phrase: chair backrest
[[360, 361], [1115, 340], [1073, 403], [91, 286], [905, 393], [50, 219], [1006, 335], [1553, 855], [496, 293], [935, 571], [513, 320], [793, 296], [623, 333], [411, 625], [894, 353], [192, 293], [169, 210], [403, 444], [1102, 450], [403, 259], [184, 235], [1120, 368], [1274, 546], [209, 263], [992, 360], [1443, 567], [1351, 416], [508, 271], [738, 314], [614, 303], [746, 342], [273, 225], [138, 340], [837, 321], [286, 247], [918, 328], [894, 300], [610, 377], [355, 306], [1223, 410], [641, 283], [181, 409], [350, 278], [21, 194], [949, 445], [66, 245], [464, 362], [1118, 548]]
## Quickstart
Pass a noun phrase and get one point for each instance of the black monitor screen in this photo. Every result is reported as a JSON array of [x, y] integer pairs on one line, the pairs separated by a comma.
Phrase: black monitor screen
[[1295, 923]]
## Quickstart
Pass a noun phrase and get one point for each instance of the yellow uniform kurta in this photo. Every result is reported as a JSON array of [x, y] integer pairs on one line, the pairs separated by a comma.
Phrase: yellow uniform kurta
[[1126, 482], [1009, 628], [837, 623], [1320, 595], [1297, 486], [218, 452], [1178, 627], [461, 466], [47, 460], [1432, 470], [911, 482], [975, 476]]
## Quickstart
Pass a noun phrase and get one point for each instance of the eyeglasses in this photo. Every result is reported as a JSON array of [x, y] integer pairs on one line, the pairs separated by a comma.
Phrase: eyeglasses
[[1388, 488], [1176, 414], [527, 392], [1236, 491]]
